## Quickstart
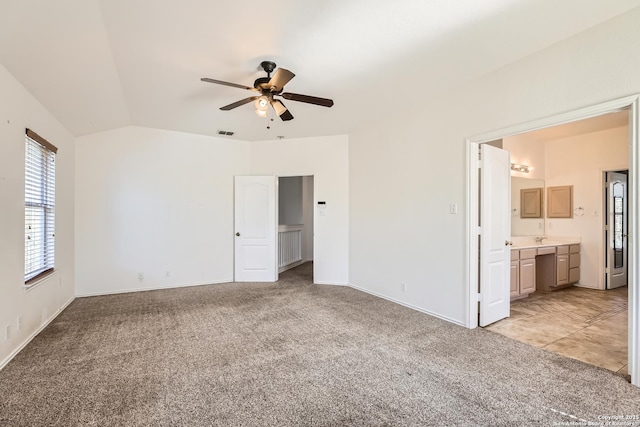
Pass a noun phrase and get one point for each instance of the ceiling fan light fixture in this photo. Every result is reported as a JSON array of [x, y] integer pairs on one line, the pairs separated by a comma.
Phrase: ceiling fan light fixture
[[262, 103]]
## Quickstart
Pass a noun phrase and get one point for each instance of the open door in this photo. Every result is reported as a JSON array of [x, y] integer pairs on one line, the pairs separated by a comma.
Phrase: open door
[[495, 223], [255, 229], [616, 230]]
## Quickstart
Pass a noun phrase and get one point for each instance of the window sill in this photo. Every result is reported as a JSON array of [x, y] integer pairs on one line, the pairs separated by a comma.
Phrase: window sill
[[40, 281]]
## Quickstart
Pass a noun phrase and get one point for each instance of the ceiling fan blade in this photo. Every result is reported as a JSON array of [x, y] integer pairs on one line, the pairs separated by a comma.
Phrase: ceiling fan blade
[[308, 99], [281, 110], [239, 103], [279, 79], [220, 82]]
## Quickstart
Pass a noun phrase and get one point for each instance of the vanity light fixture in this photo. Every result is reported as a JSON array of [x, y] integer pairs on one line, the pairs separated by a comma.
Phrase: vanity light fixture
[[519, 168]]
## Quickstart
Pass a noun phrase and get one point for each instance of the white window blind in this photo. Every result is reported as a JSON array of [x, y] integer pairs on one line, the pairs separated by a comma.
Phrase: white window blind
[[39, 206]]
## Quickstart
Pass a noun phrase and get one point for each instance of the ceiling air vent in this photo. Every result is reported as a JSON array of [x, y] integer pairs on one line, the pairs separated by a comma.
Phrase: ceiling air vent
[[225, 132]]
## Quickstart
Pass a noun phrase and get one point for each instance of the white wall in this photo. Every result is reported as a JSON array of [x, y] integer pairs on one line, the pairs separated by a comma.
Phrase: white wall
[[154, 201], [525, 151], [326, 158], [406, 171], [19, 110], [580, 161], [290, 200]]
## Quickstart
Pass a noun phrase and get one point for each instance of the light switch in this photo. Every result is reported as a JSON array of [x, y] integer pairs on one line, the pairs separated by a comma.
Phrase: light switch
[[453, 208]]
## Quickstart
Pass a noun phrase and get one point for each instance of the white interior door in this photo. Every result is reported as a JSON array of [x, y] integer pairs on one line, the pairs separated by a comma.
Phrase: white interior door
[[616, 230], [495, 223], [255, 229]]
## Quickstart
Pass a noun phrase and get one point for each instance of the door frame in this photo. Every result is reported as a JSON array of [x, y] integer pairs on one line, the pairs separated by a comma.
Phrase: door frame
[[631, 103]]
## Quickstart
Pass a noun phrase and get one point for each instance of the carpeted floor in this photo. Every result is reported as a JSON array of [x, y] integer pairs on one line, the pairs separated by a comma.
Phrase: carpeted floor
[[290, 353]]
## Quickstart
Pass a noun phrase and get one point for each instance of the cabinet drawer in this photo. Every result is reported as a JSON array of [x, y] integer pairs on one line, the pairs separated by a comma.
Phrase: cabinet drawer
[[547, 250], [574, 249], [562, 250], [574, 275], [574, 260], [527, 253], [515, 254]]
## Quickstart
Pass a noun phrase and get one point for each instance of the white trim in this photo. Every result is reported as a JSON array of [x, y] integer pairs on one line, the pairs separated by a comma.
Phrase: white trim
[[558, 119], [473, 230], [154, 288], [15, 352], [413, 307], [633, 242], [629, 102], [44, 279], [291, 266], [331, 283]]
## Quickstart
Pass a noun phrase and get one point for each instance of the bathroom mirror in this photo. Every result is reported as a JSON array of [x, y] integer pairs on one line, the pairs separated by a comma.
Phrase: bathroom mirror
[[525, 226]]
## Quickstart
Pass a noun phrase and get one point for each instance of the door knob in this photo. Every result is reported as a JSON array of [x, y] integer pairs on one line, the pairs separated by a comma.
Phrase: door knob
[[238, 234], [508, 243]]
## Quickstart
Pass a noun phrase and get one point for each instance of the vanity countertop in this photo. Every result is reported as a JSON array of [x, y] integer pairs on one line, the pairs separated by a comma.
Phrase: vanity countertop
[[545, 243]]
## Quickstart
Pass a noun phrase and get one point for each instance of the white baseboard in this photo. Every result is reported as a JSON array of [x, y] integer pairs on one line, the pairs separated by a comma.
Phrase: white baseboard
[[33, 335], [290, 266], [331, 283], [151, 288], [413, 307]]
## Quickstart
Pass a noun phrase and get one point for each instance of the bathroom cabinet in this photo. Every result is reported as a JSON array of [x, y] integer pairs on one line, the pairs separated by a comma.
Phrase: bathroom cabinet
[[568, 265], [560, 269], [523, 272], [531, 203], [560, 202], [545, 268]]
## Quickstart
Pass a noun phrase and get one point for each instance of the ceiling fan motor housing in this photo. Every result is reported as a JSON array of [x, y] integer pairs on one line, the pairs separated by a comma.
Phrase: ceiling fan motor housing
[[262, 83], [268, 66]]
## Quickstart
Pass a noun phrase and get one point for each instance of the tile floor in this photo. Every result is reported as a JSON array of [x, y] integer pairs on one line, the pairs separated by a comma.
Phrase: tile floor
[[584, 324]]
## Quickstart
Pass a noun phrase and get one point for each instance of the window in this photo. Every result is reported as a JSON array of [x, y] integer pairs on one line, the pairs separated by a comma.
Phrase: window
[[39, 206]]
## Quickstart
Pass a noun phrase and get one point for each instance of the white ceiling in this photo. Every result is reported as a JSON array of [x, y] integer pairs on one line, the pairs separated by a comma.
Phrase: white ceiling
[[102, 64]]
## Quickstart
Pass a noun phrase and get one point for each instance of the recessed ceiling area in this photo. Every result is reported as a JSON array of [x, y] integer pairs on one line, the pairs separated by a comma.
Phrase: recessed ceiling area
[[102, 64], [579, 127]]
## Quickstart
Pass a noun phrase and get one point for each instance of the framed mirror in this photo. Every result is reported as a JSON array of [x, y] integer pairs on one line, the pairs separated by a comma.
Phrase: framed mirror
[[527, 206]]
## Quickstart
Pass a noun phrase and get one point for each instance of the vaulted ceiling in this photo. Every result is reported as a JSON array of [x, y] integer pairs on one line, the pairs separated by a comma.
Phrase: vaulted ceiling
[[103, 64]]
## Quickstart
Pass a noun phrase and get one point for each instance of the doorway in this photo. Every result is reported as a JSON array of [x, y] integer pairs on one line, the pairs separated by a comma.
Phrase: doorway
[[295, 221], [475, 231], [615, 228]]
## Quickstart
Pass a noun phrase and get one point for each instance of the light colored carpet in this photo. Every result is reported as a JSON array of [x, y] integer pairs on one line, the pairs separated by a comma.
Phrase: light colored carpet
[[289, 353]]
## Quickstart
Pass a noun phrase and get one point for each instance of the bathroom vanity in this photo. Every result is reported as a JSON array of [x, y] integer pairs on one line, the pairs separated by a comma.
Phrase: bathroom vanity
[[544, 266]]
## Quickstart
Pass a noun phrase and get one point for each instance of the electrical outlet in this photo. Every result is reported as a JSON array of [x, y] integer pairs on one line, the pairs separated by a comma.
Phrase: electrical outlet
[[404, 287], [7, 332], [140, 276], [19, 323], [168, 274]]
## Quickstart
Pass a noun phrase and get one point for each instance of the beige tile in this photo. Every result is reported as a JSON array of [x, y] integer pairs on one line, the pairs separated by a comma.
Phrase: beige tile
[[584, 324], [594, 345], [540, 330]]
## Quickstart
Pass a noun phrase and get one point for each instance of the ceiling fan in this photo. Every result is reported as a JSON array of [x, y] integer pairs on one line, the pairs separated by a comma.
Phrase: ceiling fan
[[269, 87]]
